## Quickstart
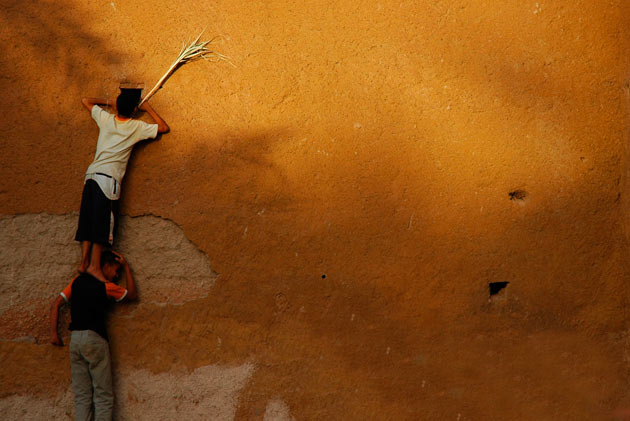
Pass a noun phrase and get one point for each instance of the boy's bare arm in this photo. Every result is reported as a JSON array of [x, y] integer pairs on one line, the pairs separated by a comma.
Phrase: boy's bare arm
[[54, 318], [162, 126], [90, 102], [132, 294]]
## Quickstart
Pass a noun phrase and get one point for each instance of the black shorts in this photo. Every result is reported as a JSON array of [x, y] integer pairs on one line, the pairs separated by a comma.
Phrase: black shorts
[[97, 219]]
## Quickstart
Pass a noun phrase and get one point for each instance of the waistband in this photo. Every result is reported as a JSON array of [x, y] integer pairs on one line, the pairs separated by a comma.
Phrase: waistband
[[104, 187], [85, 333]]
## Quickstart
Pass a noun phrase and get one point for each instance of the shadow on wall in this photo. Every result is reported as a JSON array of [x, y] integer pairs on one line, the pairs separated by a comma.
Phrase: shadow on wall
[[55, 36], [240, 162], [49, 60]]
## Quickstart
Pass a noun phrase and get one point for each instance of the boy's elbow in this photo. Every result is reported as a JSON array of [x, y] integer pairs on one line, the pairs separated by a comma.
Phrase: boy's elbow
[[131, 295], [163, 128], [86, 103], [59, 301]]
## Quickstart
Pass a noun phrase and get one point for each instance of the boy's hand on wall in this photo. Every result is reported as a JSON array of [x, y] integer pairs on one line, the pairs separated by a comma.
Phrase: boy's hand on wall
[[120, 259]]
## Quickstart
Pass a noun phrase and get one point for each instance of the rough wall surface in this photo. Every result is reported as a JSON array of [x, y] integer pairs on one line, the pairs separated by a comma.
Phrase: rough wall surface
[[357, 181], [39, 257]]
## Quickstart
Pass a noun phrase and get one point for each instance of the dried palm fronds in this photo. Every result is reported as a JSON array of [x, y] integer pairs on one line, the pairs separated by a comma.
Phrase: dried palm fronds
[[196, 50]]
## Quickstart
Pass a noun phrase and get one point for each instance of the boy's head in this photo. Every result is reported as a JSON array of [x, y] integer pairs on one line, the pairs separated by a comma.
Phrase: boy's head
[[127, 102], [110, 265]]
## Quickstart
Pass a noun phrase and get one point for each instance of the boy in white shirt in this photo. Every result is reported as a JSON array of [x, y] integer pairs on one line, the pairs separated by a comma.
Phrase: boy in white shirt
[[101, 191]]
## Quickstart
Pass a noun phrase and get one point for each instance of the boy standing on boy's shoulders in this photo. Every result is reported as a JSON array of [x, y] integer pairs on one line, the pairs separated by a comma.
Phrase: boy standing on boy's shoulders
[[101, 191]]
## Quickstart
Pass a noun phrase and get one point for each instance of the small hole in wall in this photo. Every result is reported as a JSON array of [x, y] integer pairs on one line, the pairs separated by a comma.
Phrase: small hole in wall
[[323, 276], [519, 195], [496, 287]]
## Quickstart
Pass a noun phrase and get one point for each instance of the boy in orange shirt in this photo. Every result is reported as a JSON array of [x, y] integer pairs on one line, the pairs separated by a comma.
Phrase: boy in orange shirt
[[90, 360]]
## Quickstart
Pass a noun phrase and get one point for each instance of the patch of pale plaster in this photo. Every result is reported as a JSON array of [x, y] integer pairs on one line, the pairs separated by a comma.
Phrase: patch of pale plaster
[[277, 410], [168, 266], [208, 393], [32, 408], [38, 257]]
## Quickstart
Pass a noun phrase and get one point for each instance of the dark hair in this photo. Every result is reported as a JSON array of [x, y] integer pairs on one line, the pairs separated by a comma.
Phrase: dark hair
[[108, 258], [127, 102]]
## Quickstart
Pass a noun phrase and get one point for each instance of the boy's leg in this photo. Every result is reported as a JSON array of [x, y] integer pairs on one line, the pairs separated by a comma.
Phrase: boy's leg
[[85, 255], [81, 380], [94, 268], [97, 228], [101, 373], [84, 227]]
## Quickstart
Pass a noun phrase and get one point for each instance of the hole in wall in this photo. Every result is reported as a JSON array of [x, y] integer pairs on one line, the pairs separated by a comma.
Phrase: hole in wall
[[496, 287], [135, 93], [133, 89], [520, 196], [323, 276]]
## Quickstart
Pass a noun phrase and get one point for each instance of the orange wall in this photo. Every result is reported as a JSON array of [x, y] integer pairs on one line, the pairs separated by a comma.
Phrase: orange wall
[[375, 143]]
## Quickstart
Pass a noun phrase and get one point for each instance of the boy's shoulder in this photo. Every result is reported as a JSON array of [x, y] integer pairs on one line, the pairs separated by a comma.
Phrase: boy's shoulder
[[98, 108], [137, 122], [100, 114], [86, 277]]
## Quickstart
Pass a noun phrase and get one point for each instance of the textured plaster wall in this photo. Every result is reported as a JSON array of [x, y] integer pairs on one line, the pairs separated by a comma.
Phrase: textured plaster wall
[[350, 182], [169, 268]]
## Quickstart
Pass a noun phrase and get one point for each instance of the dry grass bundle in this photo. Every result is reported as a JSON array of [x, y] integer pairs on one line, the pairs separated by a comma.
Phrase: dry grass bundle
[[196, 50]]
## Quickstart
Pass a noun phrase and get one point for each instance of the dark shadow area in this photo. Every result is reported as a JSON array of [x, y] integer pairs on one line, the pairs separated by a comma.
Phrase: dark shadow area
[[55, 34], [49, 60]]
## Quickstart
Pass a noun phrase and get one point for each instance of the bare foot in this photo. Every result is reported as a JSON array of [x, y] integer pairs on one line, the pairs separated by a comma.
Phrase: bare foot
[[97, 273]]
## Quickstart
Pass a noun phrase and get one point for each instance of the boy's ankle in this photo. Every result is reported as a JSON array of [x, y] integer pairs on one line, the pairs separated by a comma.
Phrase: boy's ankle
[[96, 272]]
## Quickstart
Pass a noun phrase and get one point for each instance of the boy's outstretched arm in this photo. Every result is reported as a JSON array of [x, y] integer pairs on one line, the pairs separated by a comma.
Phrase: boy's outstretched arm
[[90, 102], [162, 126]]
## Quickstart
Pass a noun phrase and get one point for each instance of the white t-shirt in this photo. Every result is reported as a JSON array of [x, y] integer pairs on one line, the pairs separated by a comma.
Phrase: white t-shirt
[[115, 142]]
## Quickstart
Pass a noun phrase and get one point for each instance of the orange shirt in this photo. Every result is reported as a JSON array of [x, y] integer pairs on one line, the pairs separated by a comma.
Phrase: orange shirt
[[111, 289]]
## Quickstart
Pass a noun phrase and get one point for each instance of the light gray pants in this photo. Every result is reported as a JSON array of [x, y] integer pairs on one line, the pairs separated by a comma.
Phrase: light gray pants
[[91, 371]]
